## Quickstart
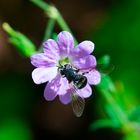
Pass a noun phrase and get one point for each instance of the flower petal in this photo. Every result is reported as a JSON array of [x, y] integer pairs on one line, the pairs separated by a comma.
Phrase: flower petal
[[93, 77], [51, 89], [42, 75], [58, 86], [85, 62], [83, 49], [66, 98], [85, 92], [51, 49], [41, 60], [65, 42], [64, 86]]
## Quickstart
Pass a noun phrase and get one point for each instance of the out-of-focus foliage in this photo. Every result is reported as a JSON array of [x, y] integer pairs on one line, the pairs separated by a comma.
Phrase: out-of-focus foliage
[[20, 41], [15, 106], [119, 37], [14, 129]]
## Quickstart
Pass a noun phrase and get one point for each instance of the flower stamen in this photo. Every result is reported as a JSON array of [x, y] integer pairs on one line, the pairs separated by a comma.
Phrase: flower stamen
[[64, 61]]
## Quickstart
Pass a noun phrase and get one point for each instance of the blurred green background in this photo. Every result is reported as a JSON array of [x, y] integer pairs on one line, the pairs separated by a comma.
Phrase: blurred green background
[[114, 27]]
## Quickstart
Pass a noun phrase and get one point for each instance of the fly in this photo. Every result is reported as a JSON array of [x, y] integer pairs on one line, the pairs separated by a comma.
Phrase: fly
[[72, 75], [77, 81]]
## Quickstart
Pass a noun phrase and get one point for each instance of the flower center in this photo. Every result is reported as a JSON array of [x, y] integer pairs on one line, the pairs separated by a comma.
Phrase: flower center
[[64, 61]]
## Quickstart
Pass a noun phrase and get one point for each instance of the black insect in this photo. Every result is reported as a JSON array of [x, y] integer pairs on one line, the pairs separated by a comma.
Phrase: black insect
[[77, 82], [72, 75]]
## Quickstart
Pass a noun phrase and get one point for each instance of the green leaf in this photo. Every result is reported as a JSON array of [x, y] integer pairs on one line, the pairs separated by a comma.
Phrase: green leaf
[[20, 41]]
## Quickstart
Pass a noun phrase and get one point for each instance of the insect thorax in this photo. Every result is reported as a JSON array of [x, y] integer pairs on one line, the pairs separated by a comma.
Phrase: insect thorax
[[72, 75]]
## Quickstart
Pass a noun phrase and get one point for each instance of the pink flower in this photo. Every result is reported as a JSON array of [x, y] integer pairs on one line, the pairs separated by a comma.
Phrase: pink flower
[[63, 52]]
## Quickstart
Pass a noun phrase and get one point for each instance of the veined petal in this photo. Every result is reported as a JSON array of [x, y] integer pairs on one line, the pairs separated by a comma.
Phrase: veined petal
[[51, 89], [42, 75], [83, 49], [84, 62], [93, 77], [85, 92], [51, 49], [66, 98], [41, 60], [65, 42]]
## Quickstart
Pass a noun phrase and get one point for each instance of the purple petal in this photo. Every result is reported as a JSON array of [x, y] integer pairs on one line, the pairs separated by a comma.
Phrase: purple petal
[[58, 86], [51, 89], [64, 86], [41, 60], [66, 98], [85, 62], [65, 42], [63, 91], [93, 77], [83, 49], [51, 49], [85, 92], [42, 75]]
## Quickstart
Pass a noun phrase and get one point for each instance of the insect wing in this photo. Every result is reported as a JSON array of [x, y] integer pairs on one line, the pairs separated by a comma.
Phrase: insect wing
[[78, 105]]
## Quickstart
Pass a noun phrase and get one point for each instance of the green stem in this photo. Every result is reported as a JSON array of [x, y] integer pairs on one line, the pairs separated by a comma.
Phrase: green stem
[[53, 13], [41, 4], [49, 29]]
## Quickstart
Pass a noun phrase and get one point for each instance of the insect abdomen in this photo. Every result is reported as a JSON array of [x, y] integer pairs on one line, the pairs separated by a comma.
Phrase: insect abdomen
[[80, 82]]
